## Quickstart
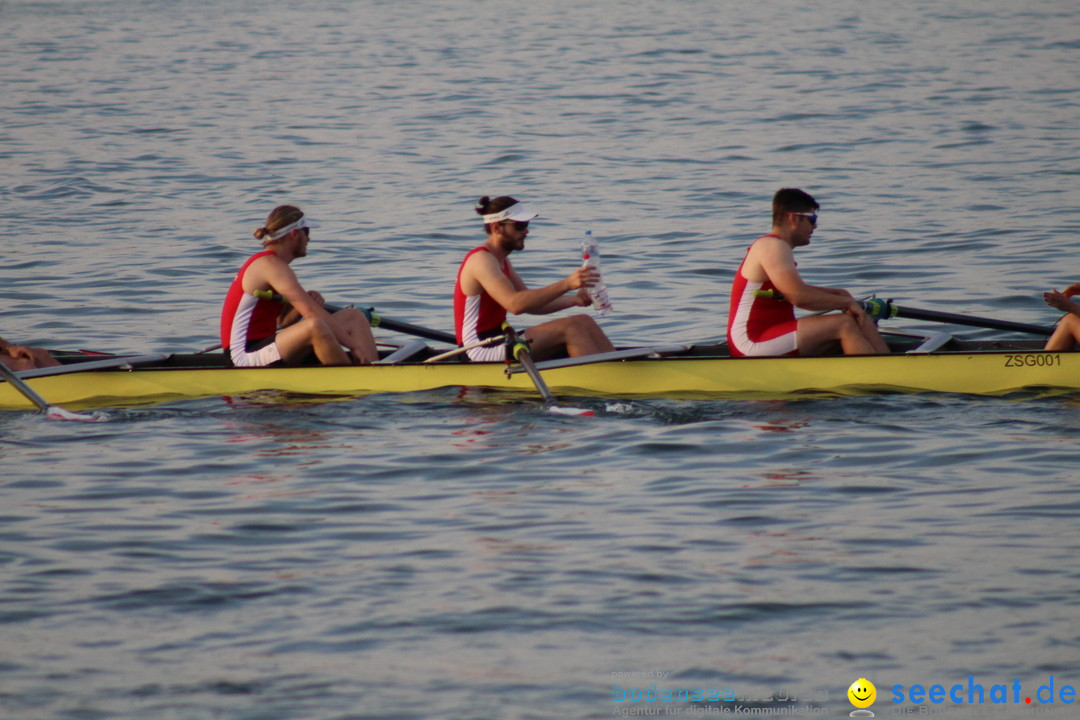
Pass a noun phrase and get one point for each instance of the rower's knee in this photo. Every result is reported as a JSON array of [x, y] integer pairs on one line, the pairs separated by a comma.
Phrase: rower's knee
[[848, 326], [583, 323], [352, 316], [317, 330]]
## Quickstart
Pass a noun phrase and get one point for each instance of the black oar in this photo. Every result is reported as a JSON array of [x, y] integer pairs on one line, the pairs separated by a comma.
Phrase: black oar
[[880, 309], [52, 412], [520, 349], [377, 320]]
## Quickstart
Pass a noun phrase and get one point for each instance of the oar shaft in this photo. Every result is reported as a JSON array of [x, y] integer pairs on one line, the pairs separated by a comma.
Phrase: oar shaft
[[526, 361], [52, 412], [377, 320], [22, 387], [466, 348], [520, 349], [992, 323], [410, 329]]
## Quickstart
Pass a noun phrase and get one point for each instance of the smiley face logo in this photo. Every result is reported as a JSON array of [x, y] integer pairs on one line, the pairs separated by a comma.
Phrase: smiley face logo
[[862, 693]]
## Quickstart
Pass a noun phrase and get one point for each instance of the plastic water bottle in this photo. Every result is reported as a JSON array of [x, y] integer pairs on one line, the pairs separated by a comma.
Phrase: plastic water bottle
[[590, 254]]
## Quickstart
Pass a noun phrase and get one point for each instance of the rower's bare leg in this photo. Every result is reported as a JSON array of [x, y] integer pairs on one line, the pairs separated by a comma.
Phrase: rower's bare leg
[[870, 331], [820, 335], [354, 323], [1066, 334], [577, 334], [309, 334]]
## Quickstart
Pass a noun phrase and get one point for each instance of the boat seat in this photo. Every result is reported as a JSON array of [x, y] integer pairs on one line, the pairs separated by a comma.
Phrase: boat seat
[[406, 351], [932, 343]]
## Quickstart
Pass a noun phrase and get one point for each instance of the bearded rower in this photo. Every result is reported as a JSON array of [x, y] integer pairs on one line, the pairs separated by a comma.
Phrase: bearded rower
[[488, 287]]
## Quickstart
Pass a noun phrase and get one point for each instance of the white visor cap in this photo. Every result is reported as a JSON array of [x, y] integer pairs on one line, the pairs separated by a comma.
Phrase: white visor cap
[[518, 212], [303, 222]]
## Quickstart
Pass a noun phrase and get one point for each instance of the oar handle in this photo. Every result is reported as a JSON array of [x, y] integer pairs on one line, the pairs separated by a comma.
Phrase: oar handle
[[376, 320]]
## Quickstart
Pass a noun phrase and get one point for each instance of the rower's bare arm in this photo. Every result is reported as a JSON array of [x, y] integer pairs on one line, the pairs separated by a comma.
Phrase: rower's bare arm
[[482, 271], [271, 271], [778, 264], [569, 300], [583, 277], [290, 315], [579, 280]]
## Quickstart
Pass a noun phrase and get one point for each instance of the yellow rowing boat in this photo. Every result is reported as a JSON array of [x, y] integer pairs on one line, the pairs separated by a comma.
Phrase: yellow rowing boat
[[984, 368]]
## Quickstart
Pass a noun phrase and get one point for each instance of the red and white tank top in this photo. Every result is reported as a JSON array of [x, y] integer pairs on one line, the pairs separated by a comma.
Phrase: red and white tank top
[[476, 315], [245, 317], [751, 317]]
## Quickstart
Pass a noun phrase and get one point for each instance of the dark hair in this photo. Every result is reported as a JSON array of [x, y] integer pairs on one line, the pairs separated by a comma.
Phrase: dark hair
[[279, 217], [486, 206], [791, 200]]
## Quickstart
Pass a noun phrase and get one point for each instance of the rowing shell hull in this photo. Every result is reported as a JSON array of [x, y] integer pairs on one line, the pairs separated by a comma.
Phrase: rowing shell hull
[[983, 373]]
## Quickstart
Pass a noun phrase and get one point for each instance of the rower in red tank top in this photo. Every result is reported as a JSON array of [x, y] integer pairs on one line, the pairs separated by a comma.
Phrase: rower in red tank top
[[757, 323], [477, 317], [248, 323], [257, 332], [488, 287], [763, 326]]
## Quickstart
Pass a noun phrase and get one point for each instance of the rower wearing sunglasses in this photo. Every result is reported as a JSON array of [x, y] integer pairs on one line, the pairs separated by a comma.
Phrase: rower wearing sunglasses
[[768, 288], [291, 327], [488, 287]]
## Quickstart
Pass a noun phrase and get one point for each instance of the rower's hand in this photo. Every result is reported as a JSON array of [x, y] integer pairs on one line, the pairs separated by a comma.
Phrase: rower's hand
[[861, 317], [583, 277], [582, 299], [317, 298], [1060, 300], [855, 310], [1073, 289]]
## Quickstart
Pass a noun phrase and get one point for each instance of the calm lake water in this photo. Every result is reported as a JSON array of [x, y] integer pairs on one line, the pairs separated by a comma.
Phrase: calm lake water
[[462, 554]]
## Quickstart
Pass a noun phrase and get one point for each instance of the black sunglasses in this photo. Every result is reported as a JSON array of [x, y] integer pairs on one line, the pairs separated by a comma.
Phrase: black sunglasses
[[518, 225]]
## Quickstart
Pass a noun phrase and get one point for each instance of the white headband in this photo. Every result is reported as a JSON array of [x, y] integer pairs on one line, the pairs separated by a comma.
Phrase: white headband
[[517, 211], [303, 222]]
